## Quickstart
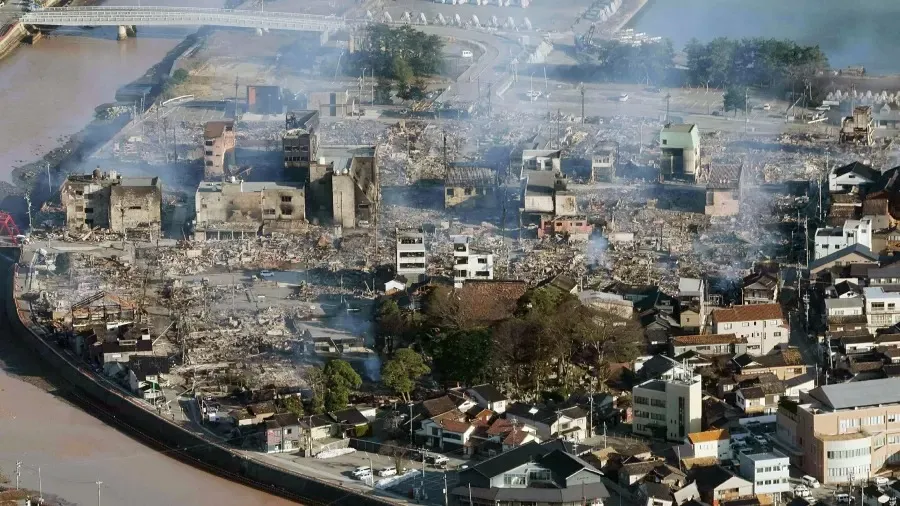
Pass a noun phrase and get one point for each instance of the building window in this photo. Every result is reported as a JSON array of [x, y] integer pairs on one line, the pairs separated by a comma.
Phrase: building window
[[449, 192], [468, 191], [209, 153], [89, 210], [513, 479], [269, 212], [135, 208], [286, 198], [209, 163], [79, 209]]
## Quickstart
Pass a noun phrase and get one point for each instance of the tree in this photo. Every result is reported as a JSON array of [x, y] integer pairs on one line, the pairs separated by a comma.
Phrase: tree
[[293, 405], [463, 355], [402, 72], [402, 371], [340, 380], [315, 379], [735, 99], [383, 92]]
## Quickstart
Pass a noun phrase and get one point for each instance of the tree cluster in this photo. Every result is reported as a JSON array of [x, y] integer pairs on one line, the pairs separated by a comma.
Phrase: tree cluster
[[551, 344], [647, 63], [401, 54], [759, 62]]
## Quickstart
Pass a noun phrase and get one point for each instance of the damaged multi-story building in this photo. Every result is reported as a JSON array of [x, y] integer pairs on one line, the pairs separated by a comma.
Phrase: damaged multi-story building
[[470, 185], [109, 201], [548, 201], [603, 163], [233, 209], [858, 128], [299, 143], [343, 186], [218, 148], [679, 157], [411, 254], [470, 262]]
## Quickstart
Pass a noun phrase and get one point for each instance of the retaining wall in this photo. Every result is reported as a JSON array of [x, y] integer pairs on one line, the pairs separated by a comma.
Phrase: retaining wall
[[184, 445]]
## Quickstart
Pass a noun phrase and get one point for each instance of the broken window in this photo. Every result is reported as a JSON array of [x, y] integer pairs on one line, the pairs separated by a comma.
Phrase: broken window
[[286, 198], [482, 260], [79, 209], [209, 153], [269, 212], [89, 209], [449, 192], [79, 192], [209, 163], [135, 208], [209, 143], [468, 191]]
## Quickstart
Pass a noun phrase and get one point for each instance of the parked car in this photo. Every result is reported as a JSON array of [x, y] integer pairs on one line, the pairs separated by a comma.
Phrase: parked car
[[362, 472], [388, 471], [880, 481], [844, 498], [436, 460], [466, 53], [266, 274], [801, 491], [810, 481], [623, 97]]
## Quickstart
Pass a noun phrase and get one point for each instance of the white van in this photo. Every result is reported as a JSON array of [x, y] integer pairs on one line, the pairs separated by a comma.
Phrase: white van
[[467, 54], [880, 481], [623, 97], [362, 472], [810, 481]]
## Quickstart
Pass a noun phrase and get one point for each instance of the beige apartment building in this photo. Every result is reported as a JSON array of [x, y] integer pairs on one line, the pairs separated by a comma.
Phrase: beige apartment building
[[667, 403], [838, 433]]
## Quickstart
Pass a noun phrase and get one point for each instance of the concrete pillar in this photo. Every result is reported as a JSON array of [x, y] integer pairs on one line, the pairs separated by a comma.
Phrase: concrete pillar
[[123, 33], [131, 30]]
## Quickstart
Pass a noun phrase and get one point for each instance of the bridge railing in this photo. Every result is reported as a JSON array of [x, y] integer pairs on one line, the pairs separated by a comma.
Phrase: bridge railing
[[186, 10]]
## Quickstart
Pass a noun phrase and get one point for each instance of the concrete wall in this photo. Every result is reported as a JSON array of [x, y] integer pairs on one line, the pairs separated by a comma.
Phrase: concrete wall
[[162, 434], [132, 208]]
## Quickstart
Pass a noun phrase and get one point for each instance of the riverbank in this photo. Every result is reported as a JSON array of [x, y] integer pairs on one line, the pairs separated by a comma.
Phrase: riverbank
[[630, 10]]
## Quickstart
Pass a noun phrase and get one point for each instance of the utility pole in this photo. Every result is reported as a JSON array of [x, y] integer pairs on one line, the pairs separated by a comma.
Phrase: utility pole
[[591, 416], [49, 183], [98, 492], [446, 500], [668, 98], [28, 204], [470, 494], [746, 110], [490, 110], [582, 102], [40, 485], [18, 472]]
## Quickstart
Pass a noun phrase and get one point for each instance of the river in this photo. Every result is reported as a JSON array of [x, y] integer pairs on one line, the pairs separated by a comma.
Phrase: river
[[851, 33], [49, 92]]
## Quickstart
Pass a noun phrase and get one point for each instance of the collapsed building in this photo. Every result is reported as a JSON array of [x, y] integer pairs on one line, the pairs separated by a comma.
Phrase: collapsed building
[[218, 148], [232, 209], [111, 202], [264, 99], [680, 152], [858, 128], [299, 143]]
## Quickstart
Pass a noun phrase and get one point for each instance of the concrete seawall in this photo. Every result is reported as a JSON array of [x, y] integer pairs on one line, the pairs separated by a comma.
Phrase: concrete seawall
[[162, 434]]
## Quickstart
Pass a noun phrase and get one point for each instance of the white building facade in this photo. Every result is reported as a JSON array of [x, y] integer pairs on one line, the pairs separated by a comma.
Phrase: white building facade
[[882, 308], [769, 472], [469, 264], [762, 325], [831, 239]]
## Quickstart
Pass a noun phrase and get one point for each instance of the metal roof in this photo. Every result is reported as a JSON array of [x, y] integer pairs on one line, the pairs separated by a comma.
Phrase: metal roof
[[858, 394]]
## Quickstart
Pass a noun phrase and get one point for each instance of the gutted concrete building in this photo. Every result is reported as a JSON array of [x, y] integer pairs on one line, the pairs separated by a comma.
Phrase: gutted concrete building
[[343, 186], [470, 185], [226, 210], [218, 148], [859, 128], [603, 163], [300, 143], [546, 193], [332, 103], [411, 254], [679, 152], [112, 202]]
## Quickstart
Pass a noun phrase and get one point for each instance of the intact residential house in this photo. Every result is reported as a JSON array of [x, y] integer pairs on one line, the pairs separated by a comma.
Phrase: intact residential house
[[350, 422], [283, 433], [714, 443], [235, 209], [709, 344], [112, 202], [845, 314], [886, 276], [716, 484], [470, 185], [658, 326], [760, 398], [850, 255], [218, 146], [843, 431], [856, 344], [760, 288], [489, 397], [692, 302], [882, 308], [567, 423], [852, 177], [783, 364], [531, 474], [654, 494], [882, 200], [723, 191], [667, 399], [762, 325], [831, 239]]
